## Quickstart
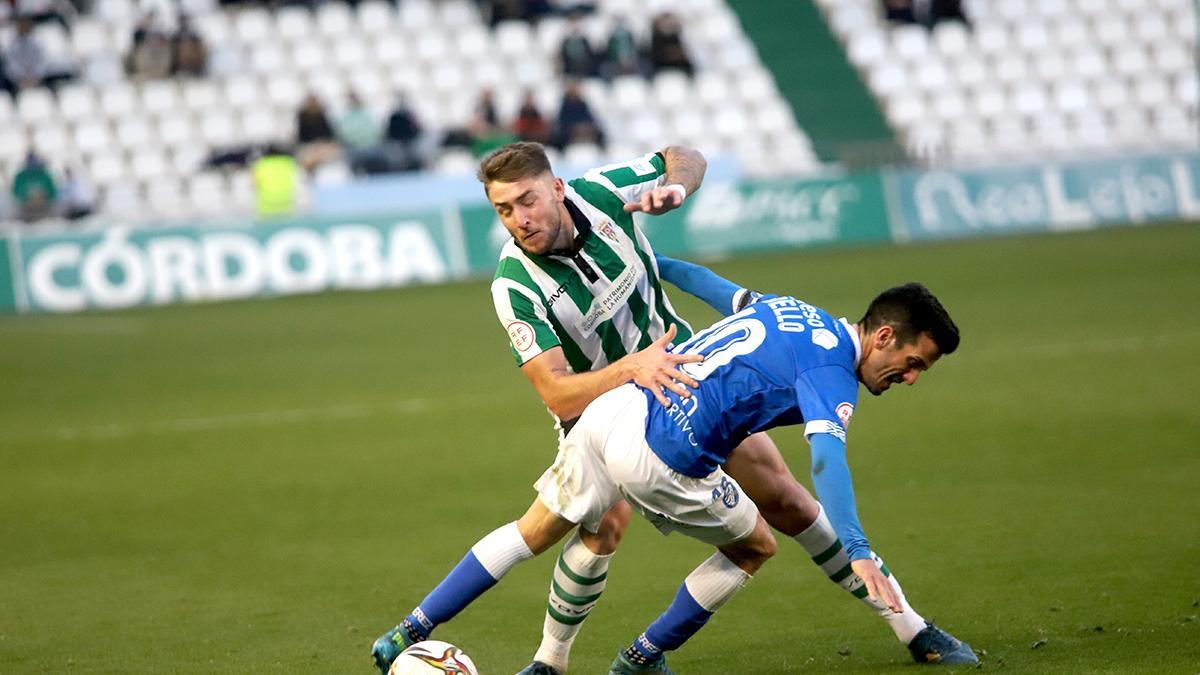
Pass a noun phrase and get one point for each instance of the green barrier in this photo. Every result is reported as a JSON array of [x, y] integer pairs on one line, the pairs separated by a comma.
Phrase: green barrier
[[763, 215], [8, 299], [126, 268], [1066, 196], [122, 268]]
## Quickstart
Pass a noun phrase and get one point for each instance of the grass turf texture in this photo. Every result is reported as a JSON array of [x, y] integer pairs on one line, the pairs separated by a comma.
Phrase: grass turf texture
[[267, 486]]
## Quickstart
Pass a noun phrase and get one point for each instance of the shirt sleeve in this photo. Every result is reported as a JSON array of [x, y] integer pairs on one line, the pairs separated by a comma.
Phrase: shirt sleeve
[[835, 490], [720, 293], [524, 318], [629, 180], [827, 396]]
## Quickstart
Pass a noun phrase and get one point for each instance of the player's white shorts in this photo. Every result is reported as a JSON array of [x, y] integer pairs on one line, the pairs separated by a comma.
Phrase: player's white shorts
[[605, 458]]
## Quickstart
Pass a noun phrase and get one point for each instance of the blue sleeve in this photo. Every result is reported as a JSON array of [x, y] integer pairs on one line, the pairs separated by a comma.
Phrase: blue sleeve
[[718, 292], [831, 478]]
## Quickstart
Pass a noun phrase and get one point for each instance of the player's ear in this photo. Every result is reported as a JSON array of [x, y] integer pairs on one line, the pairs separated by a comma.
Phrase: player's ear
[[884, 336], [560, 190]]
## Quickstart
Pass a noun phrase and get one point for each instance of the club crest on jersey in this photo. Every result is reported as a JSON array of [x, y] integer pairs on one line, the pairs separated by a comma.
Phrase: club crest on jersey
[[521, 335], [823, 337], [605, 229], [844, 411], [727, 493]]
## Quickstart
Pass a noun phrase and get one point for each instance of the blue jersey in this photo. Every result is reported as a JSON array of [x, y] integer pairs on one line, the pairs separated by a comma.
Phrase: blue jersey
[[780, 361]]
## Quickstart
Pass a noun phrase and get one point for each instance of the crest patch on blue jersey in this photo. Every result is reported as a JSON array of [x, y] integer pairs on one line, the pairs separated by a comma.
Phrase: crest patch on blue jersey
[[823, 337], [727, 493]]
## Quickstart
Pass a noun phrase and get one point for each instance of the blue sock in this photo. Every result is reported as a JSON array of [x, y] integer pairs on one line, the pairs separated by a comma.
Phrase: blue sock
[[682, 619], [467, 581]]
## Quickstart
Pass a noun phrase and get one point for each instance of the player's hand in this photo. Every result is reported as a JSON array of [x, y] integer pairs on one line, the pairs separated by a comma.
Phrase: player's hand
[[657, 201], [655, 368], [878, 586]]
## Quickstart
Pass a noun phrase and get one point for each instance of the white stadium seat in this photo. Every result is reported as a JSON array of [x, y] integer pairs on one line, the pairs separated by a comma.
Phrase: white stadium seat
[[118, 100], [295, 25], [35, 106], [107, 168], [335, 20], [77, 102], [160, 96], [135, 133], [93, 137]]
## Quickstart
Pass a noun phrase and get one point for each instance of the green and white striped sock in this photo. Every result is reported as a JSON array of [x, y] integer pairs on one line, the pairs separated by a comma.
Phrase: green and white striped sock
[[823, 545], [579, 579]]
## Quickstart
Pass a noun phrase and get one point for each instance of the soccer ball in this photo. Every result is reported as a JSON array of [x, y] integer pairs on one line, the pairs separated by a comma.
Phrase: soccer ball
[[433, 657]]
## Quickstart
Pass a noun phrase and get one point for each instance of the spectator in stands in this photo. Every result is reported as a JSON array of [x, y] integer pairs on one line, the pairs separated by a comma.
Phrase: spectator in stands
[[34, 190], [361, 137], [666, 45], [146, 24], [530, 124], [25, 63], [576, 56], [402, 139], [314, 135], [899, 11], [576, 123], [77, 196], [514, 10], [276, 179], [150, 55], [487, 133], [927, 13], [42, 11], [622, 56], [188, 51], [947, 10]]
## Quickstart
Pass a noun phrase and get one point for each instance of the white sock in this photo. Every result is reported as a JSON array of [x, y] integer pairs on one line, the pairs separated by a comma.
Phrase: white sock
[[579, 579], [499, 551], [822, 544], [715, 581]]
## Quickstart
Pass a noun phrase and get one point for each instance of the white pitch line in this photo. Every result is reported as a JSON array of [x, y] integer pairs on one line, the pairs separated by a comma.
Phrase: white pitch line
[[1129, 343], [263, 418]]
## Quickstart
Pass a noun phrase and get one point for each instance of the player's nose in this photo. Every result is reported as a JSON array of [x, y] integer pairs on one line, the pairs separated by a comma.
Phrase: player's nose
[[911, 375]]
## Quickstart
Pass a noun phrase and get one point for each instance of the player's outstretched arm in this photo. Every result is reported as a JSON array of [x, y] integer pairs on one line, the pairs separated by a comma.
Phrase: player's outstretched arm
[[567, 393], [835, 490], [684, 173], [715, 290]]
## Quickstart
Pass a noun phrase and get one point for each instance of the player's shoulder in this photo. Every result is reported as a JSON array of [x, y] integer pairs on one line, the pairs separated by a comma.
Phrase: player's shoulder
[[817, 337], [512, 263]]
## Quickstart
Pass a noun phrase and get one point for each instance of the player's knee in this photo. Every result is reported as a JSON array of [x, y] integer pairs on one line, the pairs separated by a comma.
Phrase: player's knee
[[612, 529], [765, 548], [790, 508]]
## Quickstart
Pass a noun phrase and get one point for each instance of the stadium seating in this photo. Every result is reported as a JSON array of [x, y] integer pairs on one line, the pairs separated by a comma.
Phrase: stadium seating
[[140, 141], [1032, 78]]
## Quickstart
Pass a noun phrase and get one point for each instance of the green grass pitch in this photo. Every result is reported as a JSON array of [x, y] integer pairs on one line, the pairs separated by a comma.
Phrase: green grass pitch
[[266, 487]]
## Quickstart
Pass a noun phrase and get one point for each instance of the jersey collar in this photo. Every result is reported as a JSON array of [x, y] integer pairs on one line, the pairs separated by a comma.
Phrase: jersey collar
[[853, 338], [583, 228]]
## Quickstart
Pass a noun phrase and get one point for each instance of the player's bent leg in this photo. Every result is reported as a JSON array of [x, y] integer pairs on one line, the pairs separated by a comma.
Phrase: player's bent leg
[[757, 465], [787, 505], [702, 593], [483, 566], [612, 530], [577, 582]]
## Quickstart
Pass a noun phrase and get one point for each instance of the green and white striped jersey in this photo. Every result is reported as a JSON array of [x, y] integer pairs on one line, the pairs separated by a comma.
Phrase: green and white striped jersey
[[603, 303]]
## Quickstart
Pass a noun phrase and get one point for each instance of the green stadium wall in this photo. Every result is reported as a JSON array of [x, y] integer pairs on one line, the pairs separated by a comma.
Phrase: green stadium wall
[[121, 267]]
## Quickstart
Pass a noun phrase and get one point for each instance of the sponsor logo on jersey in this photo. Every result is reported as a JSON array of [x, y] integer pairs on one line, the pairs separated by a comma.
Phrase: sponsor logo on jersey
[[844, 412], [823, 337], [727, 493], [558, 293], [605, 229], [521, 335]]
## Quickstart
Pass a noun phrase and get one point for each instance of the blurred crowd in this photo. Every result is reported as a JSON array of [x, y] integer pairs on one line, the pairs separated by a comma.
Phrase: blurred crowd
[[923, 12], [399, 142]]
